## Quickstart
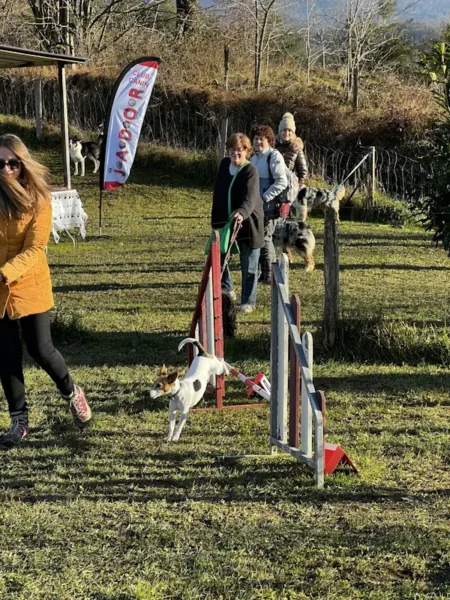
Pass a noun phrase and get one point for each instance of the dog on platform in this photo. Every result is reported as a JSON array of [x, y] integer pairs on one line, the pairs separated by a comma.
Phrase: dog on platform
[[185, 394], [309, 198], [80, 150], [297, 236]]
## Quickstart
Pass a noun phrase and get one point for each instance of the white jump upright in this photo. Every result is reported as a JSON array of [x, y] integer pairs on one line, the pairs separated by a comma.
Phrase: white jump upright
[[284, 328]]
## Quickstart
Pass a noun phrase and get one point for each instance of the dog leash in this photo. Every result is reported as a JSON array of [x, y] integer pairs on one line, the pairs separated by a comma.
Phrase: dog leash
[[351, 172], [236, 228]]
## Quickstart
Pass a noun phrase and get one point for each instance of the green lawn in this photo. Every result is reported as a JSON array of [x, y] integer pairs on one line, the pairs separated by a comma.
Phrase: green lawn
[[116, 513]]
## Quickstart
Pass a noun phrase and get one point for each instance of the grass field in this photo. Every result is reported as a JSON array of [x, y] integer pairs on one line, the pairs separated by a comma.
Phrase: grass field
[[116, 513]]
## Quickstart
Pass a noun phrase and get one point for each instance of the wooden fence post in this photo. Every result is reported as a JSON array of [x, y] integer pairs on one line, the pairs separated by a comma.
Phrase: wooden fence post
[[38, 106], [331, 277], [374, 176]]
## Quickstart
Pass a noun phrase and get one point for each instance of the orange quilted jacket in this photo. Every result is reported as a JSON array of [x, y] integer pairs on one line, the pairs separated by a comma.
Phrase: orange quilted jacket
[[28, 287]]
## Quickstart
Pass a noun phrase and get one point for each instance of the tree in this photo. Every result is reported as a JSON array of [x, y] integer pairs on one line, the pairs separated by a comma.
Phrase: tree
[[255, 22], [372, 35], [186, 10], [433, 210], [71, 25]]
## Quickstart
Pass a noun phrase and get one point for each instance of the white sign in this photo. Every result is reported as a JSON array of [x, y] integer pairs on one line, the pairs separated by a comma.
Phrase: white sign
[[129, 103]]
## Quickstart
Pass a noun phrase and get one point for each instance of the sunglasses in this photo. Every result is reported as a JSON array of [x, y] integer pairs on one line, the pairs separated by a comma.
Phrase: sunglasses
[[13, 164]]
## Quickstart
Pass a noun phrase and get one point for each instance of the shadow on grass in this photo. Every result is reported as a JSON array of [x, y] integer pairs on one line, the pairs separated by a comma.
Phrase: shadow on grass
[[394, 383], [384, 236], [157, 474], [123, 348], [72, 269], [105, 287], [385, 267]]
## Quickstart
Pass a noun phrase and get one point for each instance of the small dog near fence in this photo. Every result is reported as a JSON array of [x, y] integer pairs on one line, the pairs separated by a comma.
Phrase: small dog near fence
[[309, 198], [298, 236], [79, 151], [187, 393]]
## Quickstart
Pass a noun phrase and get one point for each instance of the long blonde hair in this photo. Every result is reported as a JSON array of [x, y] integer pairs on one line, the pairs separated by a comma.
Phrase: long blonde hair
[[25, 194]]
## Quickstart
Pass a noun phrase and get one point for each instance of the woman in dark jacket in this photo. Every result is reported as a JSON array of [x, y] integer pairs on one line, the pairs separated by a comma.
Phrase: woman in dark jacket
[[246, 209]]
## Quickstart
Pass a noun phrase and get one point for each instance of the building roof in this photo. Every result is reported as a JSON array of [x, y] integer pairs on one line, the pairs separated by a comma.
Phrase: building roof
[[21, 57]]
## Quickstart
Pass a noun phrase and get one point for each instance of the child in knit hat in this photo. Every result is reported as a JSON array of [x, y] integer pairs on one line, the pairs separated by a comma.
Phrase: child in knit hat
[[291, 147], [287, 122]]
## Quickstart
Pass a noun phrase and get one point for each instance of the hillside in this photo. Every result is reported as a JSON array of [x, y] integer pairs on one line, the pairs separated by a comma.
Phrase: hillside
[[422, 10]]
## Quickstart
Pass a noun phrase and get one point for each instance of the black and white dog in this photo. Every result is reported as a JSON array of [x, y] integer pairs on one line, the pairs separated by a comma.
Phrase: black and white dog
[[79, 151], [298, 236]]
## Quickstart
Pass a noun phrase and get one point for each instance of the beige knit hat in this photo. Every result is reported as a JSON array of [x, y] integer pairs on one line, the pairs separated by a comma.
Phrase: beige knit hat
[[287, 122]]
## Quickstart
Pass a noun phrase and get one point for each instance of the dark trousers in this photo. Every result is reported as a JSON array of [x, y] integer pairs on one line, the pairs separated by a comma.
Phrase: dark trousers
[[38, 341]]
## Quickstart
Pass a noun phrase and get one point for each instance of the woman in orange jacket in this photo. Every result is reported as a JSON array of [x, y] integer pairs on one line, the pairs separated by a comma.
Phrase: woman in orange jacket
[[25, 287]]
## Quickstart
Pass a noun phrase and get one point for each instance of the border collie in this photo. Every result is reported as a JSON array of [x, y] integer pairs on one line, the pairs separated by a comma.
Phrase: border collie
[[80, 150]]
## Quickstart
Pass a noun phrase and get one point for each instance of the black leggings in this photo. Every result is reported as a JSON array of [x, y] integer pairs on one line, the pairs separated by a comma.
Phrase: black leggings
[[38, 340]]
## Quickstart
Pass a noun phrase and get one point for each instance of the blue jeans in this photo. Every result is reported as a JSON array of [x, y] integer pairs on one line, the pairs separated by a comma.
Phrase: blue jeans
[[249, 271]]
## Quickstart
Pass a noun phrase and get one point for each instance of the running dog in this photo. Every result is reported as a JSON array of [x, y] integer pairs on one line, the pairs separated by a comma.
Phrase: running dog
[[187, 393], [309, 198], [79, 151], [297, 236]]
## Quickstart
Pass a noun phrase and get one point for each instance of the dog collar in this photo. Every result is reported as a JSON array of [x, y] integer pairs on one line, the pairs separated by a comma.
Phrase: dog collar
[[174, 393]]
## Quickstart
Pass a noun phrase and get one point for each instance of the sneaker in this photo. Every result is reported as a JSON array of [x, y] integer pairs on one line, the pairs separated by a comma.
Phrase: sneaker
[[247, 308], [79, 408], [17, 431]]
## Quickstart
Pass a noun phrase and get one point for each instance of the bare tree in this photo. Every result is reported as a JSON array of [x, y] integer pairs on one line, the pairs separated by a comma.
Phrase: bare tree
[[14, 27], [372, 36], [262, 18], [314, 35], [68, 25], [186, 10]]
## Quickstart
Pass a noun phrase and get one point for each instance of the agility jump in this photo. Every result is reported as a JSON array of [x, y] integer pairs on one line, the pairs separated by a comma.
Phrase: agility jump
[[299, 433]]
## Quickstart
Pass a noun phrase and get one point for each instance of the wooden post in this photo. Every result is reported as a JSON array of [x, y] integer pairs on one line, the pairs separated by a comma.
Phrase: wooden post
[[224, 121], [331, 277], [38, 106], [223, 136], [373, 182], [227, 64], [217, 326], [355, 90], [64, 124]]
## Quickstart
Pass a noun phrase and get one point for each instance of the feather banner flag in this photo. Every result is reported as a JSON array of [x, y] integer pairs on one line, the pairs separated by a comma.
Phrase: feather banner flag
[[123, 124]]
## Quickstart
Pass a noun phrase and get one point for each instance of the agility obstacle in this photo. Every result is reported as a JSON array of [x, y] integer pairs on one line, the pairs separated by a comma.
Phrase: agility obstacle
[[292, 371], [297, 410], [207, 327]]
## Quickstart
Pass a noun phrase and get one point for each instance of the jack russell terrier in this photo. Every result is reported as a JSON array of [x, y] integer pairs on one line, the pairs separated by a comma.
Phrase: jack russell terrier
[[187, 393]]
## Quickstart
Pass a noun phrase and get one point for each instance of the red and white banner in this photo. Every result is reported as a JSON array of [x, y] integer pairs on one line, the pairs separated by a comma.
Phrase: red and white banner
[[127, 108]]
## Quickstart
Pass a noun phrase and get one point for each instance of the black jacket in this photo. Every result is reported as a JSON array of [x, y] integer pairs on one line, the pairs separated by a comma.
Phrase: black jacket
[[245, 199]]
